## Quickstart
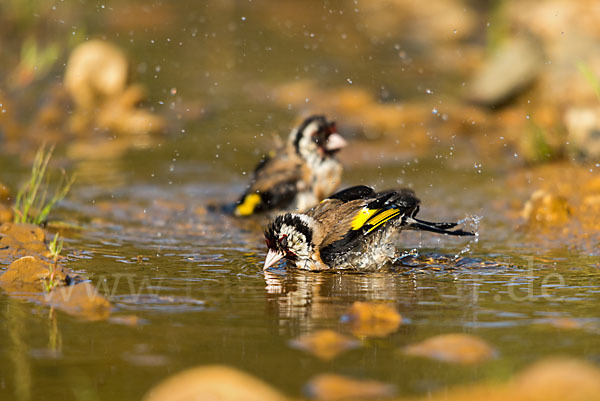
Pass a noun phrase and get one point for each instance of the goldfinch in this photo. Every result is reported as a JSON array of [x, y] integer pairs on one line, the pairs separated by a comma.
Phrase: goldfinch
[[299, 175], [349, 230]]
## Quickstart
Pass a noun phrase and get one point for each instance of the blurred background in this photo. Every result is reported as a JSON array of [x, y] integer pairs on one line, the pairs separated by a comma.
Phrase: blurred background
[[492, 85], [490, 110], [496, 77]]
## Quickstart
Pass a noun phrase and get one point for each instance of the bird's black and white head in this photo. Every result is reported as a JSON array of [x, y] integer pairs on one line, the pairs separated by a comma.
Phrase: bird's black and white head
[[317, 138], [289, 236]]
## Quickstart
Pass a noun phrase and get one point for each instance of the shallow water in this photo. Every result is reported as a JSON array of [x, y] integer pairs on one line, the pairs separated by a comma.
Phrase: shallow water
[[195, 282], [194, 279]]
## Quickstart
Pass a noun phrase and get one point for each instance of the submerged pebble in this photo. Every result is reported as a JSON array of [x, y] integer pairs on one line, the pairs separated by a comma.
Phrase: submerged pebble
[[374, 319], [215, 382], [82, 300], [324, 344], [548, 380], [332, 387], [455, 348]]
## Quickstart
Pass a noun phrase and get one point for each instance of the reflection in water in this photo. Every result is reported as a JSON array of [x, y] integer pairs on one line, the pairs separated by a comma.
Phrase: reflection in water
[[19, 351], [304, 300], [54, 335]]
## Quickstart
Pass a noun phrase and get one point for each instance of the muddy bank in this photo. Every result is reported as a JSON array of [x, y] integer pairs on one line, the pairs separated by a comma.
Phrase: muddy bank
[[33, 275]]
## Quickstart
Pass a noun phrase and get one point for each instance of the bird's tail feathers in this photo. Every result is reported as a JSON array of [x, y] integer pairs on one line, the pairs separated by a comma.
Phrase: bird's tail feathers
[[442, 226], [439, 228]]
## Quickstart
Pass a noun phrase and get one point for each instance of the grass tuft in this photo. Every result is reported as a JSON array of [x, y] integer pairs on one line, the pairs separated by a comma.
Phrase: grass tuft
[[55, 248], [32, 204]]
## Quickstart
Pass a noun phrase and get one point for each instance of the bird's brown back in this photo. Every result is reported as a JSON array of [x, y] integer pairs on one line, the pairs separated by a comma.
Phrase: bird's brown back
[[334, 219]]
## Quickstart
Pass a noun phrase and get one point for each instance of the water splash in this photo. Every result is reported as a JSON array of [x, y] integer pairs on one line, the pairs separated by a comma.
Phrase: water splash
[[469, 222]]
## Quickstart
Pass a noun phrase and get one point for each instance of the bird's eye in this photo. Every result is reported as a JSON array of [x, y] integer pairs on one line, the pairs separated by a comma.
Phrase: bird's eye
[[283, 241], [320, 137]]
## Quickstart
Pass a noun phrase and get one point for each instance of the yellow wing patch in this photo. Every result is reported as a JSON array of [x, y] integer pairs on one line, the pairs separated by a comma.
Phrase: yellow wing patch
[[368, 216], [246, 208], [382, 218], [362, 217]]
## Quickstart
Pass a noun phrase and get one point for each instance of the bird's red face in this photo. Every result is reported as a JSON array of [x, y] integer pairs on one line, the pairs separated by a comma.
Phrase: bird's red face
[[328, 139], [316, 134], [278, 249], [289, 237]]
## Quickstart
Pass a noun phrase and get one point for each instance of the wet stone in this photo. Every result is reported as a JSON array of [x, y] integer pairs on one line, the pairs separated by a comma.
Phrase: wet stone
[[28, 274], [545, 209], [82, 300], [29, 277], [214, 382], [565, 209], [21, 240], [583, 125], [511, 69], [332, 387], [374, 319], [97, 78], [6, 214], [559, 379], [547, 380], [455, 348], [324, 344]]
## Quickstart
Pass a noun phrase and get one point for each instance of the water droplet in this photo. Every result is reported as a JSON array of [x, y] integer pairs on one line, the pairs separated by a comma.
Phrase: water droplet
[[349, 80]]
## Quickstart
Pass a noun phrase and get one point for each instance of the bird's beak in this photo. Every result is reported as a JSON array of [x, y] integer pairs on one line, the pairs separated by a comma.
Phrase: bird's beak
[[335, 142], [272, 258]]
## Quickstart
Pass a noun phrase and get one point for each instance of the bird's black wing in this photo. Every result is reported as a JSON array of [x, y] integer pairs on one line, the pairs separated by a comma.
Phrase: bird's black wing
[[273, 186], [354, 193], [346, 201], [353, 225], [439, 228], [376, 213]]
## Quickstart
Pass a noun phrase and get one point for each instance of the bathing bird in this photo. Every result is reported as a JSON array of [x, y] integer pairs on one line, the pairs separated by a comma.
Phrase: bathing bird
[[353, 229], [299, 174]]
